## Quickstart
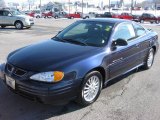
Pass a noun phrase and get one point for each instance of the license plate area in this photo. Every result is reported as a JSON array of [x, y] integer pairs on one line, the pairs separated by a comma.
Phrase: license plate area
[[10, 82]]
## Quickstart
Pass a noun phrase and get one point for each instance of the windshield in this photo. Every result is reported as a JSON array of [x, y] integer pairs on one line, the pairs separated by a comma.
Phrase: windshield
[[16, 13], [90, 33]]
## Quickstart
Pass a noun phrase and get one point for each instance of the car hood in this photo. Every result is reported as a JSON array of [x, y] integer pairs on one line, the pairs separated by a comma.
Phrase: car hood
[[24, 16], [40, 56]]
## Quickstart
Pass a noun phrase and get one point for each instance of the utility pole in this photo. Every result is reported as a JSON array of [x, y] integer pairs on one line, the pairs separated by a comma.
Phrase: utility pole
[[109, 6], [82, 7], [40, 4], [131, 6], [69, 5]]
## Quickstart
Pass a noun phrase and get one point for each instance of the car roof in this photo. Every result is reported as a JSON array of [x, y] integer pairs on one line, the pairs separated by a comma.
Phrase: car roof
[[109, 20]]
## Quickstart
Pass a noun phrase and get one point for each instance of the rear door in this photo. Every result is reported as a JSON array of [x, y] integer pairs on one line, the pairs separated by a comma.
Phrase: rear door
[[1, 18], [124, 58], [8, 20]]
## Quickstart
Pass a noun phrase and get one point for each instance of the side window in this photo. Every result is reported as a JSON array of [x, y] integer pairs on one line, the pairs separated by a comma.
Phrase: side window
[[124, 31], [1, 13], [152, 16], [139, 30], [5, 13]]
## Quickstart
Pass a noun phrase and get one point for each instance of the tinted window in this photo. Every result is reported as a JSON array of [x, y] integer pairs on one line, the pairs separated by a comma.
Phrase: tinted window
[[145, 15], [1, 13], [5, 13], [139, 30], [124, 31], [152, 16]]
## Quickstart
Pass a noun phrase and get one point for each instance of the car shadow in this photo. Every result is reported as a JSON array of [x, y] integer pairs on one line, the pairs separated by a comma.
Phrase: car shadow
[[15, 107], [118, 79]]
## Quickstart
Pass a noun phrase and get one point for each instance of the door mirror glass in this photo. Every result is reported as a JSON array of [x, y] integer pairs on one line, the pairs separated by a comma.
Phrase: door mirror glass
[[120, 42]]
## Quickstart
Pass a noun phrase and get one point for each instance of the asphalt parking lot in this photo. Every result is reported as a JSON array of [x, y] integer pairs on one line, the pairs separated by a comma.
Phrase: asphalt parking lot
[[135, 96]]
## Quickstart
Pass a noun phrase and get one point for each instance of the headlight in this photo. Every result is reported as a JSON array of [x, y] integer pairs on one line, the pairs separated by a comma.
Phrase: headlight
[[55, 76]]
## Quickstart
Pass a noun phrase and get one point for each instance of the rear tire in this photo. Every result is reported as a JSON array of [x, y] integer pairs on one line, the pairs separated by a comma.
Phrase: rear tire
[[3, 26], [56, 17], [90, 88], [18, 25], [38, 16], [157, 22], [149, 60]]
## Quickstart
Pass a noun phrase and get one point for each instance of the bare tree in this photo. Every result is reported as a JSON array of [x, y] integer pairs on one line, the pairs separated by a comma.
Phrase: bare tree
[[2, 3]]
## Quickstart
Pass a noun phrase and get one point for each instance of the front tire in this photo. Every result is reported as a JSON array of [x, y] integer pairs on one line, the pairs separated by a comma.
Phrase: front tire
[[141, 21], [90, 89], [19, 25], [149, 60]]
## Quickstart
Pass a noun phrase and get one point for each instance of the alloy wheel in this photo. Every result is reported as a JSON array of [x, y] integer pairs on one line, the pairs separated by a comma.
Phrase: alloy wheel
[[150, 58], [91, 88]]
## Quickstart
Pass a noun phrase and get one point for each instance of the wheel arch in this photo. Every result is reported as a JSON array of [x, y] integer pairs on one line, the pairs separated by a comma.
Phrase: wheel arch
[[99, 69], [154, 48], [18, 21]]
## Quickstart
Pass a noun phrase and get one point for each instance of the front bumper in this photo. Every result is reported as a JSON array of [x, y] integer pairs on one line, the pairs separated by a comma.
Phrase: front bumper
[[58, 93], [28, 23]]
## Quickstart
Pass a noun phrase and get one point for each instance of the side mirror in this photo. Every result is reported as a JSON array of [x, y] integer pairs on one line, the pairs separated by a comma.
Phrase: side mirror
[[59, 32], [120, 42], [9, 14]]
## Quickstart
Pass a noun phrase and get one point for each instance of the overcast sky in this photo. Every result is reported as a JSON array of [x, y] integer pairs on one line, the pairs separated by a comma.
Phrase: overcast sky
[[45, 1]]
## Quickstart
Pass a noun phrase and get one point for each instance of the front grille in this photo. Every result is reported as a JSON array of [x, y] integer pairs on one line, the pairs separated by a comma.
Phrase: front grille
[[30, 19], [16, 71]]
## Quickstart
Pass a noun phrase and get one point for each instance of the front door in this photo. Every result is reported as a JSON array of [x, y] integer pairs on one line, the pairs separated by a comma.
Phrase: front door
[[124, 58]]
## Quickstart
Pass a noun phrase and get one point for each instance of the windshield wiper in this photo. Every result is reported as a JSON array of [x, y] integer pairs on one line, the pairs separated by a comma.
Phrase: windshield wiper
[[75, 41], [59, 39]]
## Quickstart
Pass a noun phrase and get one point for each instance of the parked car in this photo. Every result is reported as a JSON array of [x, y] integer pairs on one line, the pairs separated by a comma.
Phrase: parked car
[[47, 14], [15, 18], [136, 18], [126, 16], [37, 13], [107, 15], [57, 15], [74, 15], [31, 13], [89, 15], [79, 61], [146, 17]]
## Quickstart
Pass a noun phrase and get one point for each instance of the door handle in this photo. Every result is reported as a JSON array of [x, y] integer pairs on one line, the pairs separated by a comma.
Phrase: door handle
[[138, 45]]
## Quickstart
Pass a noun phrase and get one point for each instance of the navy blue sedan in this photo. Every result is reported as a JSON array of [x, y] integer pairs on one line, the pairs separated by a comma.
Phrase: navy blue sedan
[[79, 61]]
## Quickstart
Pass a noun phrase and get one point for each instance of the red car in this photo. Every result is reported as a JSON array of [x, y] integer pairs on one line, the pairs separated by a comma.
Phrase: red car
[[31, 13], [47, 14], [73, 15], [127, 16], [149, 18]]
